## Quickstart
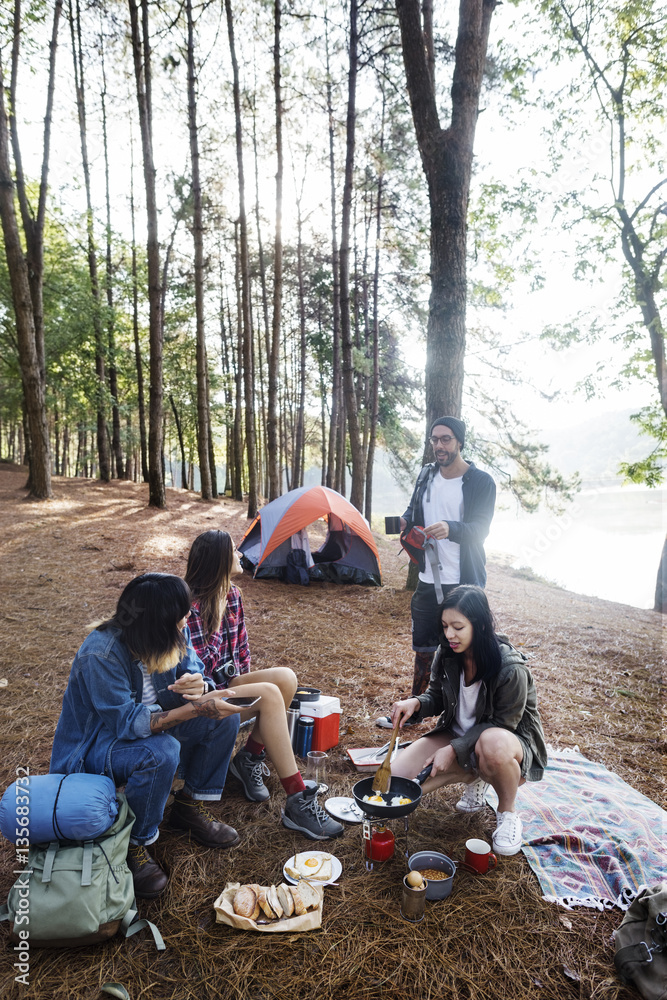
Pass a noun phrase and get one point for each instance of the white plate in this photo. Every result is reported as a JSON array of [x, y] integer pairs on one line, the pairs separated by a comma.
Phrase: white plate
[[344, 808], [336, 867]]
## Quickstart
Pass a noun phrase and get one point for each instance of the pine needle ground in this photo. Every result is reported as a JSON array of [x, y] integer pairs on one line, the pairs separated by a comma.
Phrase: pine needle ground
[[599, 673]]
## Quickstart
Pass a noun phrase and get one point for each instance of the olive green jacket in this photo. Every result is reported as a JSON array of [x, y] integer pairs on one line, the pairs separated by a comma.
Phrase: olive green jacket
[[508, 700]]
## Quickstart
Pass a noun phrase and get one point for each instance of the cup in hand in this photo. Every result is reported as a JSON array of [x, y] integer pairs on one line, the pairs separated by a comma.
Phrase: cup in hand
[[392, 525], [479, 856]]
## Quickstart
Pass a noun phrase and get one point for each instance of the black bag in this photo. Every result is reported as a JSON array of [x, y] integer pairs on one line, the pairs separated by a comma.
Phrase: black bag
[[641, 943], [296, 567]]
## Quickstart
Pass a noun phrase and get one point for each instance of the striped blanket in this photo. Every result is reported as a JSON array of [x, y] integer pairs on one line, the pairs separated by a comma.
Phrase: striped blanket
[[590, 838]]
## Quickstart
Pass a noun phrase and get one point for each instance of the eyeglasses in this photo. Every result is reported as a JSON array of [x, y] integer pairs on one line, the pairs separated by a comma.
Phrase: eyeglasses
[[445, 439]]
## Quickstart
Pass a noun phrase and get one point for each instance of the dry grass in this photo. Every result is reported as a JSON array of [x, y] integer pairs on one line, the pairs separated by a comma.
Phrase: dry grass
[[598, 668]]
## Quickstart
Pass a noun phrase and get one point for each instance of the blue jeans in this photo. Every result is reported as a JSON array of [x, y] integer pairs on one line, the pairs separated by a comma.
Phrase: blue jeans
[[425, 613], [147, 767]]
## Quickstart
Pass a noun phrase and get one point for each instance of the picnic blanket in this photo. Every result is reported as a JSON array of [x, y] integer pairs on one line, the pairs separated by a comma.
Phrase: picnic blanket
[[591, 839]]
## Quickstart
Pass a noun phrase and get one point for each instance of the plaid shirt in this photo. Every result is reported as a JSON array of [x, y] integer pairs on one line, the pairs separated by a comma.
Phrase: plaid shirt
[[230, 642]]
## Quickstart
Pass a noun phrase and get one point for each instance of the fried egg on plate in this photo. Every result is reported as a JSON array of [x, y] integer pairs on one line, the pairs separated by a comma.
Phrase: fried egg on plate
[[310, 866]]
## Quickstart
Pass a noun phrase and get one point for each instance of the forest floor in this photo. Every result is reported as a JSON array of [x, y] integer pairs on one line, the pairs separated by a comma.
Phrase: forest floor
[[599, 673]]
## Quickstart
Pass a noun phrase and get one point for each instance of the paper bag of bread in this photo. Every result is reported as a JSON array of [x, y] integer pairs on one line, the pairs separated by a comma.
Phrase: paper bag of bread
[[270, 909]]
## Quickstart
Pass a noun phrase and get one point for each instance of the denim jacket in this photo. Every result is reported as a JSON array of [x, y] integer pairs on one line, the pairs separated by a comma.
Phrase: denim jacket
[[102, 701], [508, 700]]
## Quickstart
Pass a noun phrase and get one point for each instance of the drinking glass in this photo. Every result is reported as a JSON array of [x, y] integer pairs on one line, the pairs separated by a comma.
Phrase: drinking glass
[[316, 768]]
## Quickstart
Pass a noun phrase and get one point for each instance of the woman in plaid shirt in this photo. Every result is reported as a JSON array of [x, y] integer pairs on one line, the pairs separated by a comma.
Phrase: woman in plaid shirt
[[219, 637]]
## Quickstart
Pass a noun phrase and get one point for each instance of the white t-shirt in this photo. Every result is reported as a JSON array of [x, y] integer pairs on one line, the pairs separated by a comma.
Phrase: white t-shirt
[[465, 710], [148, 693], [445, 504]]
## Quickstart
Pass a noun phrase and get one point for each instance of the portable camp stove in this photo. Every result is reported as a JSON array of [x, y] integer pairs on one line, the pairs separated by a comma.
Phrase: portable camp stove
[[378, 840]]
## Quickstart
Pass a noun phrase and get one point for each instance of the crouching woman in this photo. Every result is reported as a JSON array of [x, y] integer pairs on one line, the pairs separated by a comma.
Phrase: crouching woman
[[489, 730], [136, 705]]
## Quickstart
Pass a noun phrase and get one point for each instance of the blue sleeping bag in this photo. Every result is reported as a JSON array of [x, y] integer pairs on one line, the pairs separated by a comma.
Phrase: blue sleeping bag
[[46, 807]]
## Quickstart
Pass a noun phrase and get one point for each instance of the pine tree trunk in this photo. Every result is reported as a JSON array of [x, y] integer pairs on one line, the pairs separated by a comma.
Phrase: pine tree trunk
[[660, 603], [142, 72], [225, 334], [179, 432], [446, 156], [100, 364], [203, 414], [31, 377], [299, 435], [245, 281], [116, 445], [33, 226], [30, 329], [135, 329], [333, 469], [356, 450], [272, 360], [265, 306], [237, 474], [373, 402]]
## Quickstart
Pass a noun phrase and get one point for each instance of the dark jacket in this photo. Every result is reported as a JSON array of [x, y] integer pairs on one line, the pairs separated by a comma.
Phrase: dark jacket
[[479, 500], [508, 700]]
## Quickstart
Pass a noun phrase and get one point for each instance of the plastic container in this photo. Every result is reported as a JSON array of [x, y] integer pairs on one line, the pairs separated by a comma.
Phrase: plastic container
[[304, 735], [326, 713]]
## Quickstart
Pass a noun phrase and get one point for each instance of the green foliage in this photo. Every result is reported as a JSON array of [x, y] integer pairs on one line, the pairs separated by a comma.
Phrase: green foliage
[[650, 470]]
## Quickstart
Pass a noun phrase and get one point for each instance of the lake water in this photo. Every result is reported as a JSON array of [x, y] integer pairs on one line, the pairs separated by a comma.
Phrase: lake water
[[607, 543]]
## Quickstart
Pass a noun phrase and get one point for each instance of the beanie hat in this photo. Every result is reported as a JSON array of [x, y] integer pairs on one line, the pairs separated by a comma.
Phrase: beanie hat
[[456, 425]]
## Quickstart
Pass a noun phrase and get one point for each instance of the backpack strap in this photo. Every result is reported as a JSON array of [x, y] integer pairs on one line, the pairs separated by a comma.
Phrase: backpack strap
[[130, 925], [87, 866], [431, 549], [49, 858]]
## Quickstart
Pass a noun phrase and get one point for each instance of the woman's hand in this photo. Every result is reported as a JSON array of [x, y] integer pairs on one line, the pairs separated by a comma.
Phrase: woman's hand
[[403, 710], [443, 760], [213, 704], [189, 686]]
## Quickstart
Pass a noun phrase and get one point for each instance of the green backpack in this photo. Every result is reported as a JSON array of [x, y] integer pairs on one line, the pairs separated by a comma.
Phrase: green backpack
[[76, 893]]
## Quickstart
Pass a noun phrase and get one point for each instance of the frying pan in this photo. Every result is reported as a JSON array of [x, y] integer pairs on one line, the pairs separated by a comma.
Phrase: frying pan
[[409, 788]]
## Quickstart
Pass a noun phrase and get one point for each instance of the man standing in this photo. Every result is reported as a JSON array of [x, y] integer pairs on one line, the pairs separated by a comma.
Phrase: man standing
[[453, 501]]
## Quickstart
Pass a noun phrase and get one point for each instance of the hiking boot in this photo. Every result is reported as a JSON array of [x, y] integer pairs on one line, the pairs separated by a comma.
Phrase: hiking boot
[[474, 797], [251, 769], [508, 834], [149, 879], [303, 812], [192, 816], [384, 722]]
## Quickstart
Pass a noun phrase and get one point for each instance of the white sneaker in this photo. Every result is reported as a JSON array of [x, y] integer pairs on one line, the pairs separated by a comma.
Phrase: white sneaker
[[474, 797], [508, 834]]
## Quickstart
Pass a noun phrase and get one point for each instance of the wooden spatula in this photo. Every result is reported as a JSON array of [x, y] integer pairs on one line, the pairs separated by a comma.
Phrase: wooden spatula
[[382, 779]]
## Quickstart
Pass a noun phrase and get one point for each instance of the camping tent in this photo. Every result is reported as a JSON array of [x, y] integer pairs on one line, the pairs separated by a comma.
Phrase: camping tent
[[348, 554]]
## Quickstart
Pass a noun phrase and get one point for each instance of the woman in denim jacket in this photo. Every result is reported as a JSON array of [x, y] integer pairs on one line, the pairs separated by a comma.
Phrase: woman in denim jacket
[[136, 705], [489, 730]]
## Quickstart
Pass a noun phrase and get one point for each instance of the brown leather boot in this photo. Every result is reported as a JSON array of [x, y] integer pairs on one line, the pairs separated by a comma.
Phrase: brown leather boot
[[148, 877], [192, 816]]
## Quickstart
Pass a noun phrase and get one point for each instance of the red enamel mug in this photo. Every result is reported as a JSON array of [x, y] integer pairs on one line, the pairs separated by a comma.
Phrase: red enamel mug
[[479, 856]]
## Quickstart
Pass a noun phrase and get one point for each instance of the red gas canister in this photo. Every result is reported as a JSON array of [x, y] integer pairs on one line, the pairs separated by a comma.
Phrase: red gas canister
[[381, 845]]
